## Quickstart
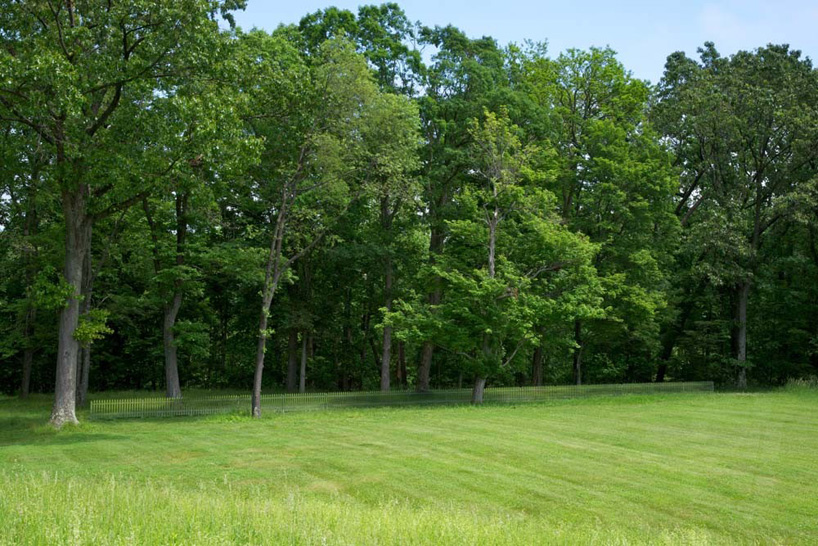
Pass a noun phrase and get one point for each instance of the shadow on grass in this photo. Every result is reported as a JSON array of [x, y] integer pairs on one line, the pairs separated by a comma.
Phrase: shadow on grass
[[53, 437], [25, 422]]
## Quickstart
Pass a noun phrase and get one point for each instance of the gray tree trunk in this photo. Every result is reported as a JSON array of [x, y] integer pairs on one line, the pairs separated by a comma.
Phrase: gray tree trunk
[[84, 359], [493, 221], [77, 239], [257, 376], [172, 386], [170, 311], [270, 285], [477, 391], [741, 320]]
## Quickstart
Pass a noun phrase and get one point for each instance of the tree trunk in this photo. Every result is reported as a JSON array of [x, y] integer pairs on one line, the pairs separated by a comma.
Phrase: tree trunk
[[425, 367], [386, 354], [77, 239], [170, 311], [257, 376], [82, 394], [480, 381], [661, 370], [741, 323], [674, 330], [536, 365], [402, 379], [292, 361], [84, 358], [493, 221], [477, 391], [436, 242], [668, 342], [271, 279], [172, 386], [28, 352], [302, 375], [578, 353]]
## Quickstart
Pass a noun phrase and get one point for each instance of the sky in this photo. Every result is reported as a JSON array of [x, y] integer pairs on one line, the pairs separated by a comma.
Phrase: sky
[[643, 32]]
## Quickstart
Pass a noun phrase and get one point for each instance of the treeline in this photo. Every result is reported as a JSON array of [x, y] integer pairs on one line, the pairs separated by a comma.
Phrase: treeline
[[361, 202]]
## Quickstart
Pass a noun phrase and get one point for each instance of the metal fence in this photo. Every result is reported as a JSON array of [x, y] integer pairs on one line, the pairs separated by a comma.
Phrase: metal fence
[[204, 404]]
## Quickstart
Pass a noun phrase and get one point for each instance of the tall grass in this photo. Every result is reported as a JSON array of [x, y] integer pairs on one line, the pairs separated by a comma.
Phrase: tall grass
[[49, 509], [809, 382], [670, 469]]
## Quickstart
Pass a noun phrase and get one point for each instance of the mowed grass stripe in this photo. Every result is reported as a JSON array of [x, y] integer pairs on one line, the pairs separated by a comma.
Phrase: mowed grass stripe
[[705, 468]]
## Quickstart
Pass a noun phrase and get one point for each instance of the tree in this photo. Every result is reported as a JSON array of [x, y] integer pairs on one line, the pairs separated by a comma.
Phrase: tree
[[390, 159], [502, 248], [465, 76], [744, 129], [614, 184], [85, 78], [23, 163], [382, 34], [310, 176], [206, 145]]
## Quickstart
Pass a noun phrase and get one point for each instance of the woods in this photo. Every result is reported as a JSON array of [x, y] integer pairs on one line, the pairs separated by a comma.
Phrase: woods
[[362, 202]]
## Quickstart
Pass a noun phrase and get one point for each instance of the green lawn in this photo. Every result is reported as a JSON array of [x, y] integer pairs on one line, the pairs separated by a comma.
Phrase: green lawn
[[675, 469]]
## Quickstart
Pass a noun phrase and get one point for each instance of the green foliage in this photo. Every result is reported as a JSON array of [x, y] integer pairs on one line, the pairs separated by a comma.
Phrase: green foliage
[[500, 212], [743, 130], [92, 327], [50, 291]]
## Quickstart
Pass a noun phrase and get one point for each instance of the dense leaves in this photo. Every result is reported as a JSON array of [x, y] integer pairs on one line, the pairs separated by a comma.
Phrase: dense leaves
[[358, 201]]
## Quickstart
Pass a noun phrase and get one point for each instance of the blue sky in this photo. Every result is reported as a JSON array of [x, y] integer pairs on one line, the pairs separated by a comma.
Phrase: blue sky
[[643, 32]]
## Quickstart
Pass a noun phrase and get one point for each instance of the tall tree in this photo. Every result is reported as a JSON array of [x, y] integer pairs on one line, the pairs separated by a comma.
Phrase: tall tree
[[84, 76], [381, 33], [614, 184], [309, 177], [504, 246], [390, 160], [464, 77], [746, 133]]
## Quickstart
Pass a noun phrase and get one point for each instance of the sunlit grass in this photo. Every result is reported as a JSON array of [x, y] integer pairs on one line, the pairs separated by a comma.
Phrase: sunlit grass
[[689, 469]]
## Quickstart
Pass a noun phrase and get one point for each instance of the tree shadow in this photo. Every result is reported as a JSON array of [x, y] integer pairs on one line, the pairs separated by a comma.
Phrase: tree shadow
[[26, 423], [54, 438]]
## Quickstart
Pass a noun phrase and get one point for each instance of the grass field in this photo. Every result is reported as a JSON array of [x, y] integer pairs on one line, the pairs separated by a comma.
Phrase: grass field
[[669, 469]]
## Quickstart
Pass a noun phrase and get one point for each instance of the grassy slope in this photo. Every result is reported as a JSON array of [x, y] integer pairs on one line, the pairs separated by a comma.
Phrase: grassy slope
[[719, 468]]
